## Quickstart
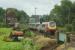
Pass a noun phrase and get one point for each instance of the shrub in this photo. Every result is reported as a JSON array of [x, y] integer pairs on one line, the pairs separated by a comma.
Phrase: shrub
[[69, 27], [29, 34], [45, 42], [30, 45], [7, 39]]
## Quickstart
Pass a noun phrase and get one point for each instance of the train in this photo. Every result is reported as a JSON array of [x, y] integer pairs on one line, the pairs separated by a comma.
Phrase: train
[[47, 27]]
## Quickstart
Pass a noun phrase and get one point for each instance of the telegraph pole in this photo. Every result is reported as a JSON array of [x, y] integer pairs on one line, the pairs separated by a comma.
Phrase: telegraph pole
[[35, 11]]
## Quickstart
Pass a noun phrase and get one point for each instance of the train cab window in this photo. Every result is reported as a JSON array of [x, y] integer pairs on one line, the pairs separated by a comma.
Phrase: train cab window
[[52, 24]]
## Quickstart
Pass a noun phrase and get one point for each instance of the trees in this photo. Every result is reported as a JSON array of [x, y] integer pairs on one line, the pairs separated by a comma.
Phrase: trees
[[20, 15], [62, 12], [44, 18], [2, 16], [2, 11], [14, 15]]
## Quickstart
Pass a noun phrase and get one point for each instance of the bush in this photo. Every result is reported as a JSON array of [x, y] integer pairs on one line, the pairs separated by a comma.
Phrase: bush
[[29, 34], [44, 42], [69, 27], [7, 39], [29, 44], [2, 25]]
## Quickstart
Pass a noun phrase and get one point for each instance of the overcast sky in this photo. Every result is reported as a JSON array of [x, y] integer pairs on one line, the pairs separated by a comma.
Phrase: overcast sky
[[43, 6]]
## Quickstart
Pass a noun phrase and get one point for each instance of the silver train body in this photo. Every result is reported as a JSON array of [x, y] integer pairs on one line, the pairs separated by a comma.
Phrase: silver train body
[[45, 26]]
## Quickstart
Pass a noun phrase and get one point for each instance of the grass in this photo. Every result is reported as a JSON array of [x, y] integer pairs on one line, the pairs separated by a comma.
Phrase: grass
[[8, 45], [30, 45], [11, 46], [5, 30], [25, 44]]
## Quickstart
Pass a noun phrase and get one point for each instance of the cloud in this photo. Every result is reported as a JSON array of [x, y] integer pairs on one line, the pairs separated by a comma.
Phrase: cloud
[[43, 6]]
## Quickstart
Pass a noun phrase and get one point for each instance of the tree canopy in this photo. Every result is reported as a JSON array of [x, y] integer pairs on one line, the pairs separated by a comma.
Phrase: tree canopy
[[63, 14], [20, 15]]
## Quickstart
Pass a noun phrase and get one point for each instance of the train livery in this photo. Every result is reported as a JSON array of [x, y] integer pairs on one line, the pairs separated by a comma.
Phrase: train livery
[[49, 27]]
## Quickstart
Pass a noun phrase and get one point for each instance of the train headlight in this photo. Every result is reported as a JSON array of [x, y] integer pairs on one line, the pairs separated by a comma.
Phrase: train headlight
[[52, 27]]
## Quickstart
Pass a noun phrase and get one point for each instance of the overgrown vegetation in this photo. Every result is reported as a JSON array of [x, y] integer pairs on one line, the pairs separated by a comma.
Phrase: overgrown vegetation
[[30, 42], [8, 45], [26, 44], [30, 45], [20, 16]]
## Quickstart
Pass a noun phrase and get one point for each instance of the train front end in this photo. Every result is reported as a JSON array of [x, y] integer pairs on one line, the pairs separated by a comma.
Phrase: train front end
[[51, 27]]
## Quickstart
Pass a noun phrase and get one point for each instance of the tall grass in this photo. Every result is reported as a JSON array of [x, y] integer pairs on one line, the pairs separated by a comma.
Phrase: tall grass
[[8, 45], [26, 44], [30, 34], [5, 30], [30, 45]]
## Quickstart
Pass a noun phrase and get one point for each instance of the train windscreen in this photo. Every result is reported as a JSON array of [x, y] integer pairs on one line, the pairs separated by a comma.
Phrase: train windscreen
[[52, 24]]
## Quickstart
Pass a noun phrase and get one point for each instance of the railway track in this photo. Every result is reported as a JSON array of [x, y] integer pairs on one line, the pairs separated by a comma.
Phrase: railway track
[[44, 34]]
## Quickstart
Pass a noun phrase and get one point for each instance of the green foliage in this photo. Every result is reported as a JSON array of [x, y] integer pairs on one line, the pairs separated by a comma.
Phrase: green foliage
[[73, 26], [11, 46], [8, 45], [25, 44], [30, 34], [63, 13], [68, 27], [5, 30], [41, 20], [30, 45], [24, 27], [45, 18], [20, 15], [2, 12]]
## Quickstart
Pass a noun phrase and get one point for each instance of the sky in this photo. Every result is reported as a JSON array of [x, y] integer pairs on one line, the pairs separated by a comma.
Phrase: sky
[[43, 6]]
